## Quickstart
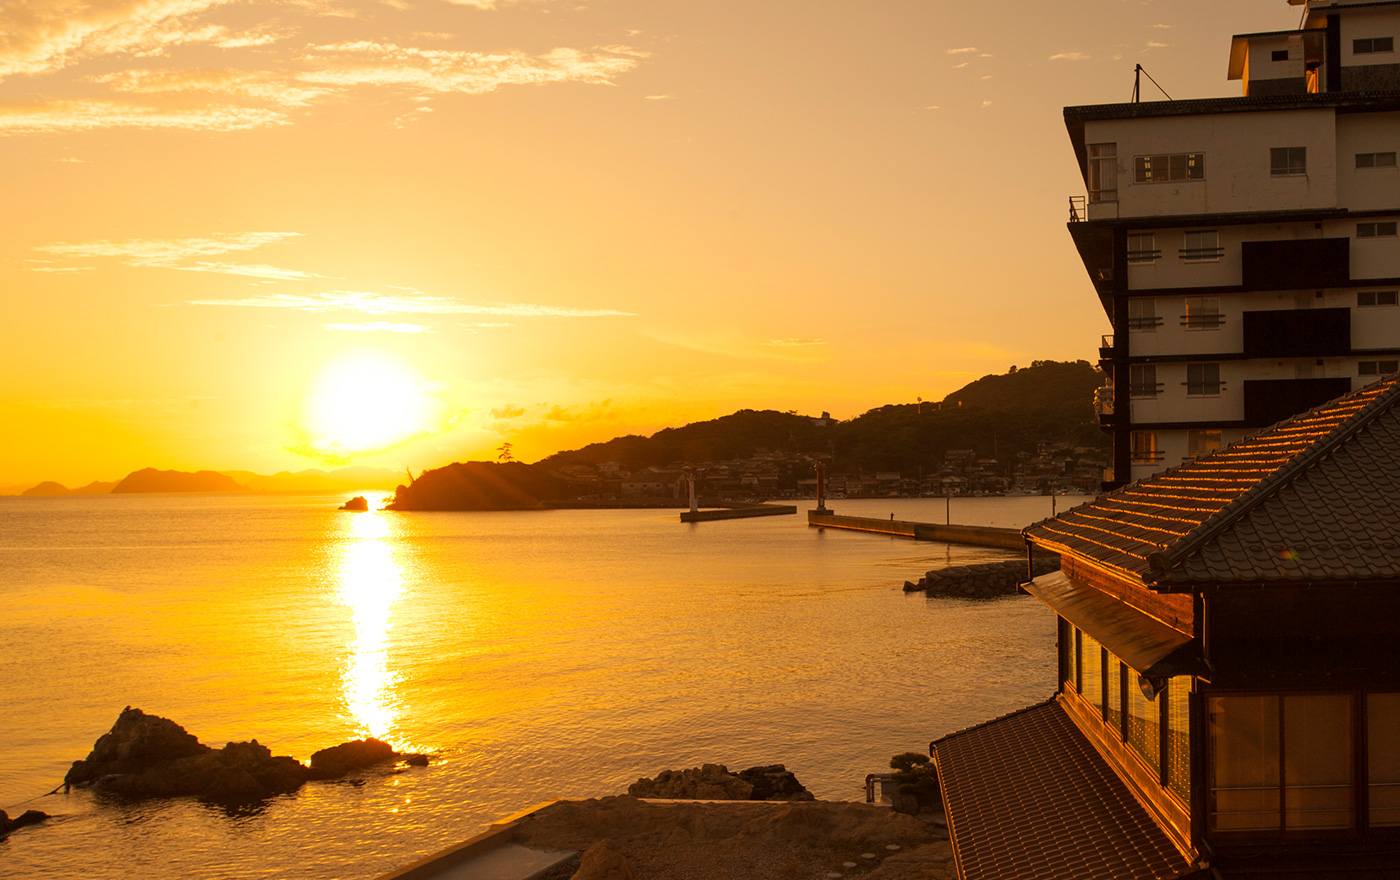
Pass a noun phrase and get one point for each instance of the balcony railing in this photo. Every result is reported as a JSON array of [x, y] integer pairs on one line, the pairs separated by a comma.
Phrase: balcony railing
[[1145, 389], [1078, 209], [1205, 321], [1202, 253], [1149, 322], [1147, 456]]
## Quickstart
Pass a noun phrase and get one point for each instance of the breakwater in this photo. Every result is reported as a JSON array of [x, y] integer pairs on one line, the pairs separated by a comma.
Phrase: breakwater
[[738, 512], [981, 581], [981, 536]]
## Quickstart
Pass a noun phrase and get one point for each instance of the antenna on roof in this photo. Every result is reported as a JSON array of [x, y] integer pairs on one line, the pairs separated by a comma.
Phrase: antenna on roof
[[1137, 85]]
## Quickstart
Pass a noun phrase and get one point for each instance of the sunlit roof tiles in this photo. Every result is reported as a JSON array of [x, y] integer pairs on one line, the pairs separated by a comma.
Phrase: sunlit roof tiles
[[1314, 498]]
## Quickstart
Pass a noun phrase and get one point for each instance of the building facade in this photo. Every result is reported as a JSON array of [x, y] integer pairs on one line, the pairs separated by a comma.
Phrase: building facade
[[1245, 249], [1228, 700]]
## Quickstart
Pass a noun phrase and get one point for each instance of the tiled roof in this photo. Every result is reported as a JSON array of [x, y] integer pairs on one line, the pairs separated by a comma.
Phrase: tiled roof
[[1027, 796], [1314, 498]]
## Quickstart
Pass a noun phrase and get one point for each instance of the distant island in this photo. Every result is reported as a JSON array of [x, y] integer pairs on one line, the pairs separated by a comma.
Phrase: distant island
[[1027, 431], [153, 480]]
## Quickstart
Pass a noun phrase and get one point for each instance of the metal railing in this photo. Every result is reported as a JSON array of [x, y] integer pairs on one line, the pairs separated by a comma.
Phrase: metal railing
[[1149, 322], [1078, 209]]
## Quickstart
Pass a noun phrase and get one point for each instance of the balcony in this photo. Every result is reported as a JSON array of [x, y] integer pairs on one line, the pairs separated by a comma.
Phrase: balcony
[[1103, 404], [1297, 333], [1106, 347], [1267, 401], [1294, 264]]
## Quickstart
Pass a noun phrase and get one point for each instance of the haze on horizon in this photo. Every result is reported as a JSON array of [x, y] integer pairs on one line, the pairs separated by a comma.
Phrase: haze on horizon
[[281, 234]]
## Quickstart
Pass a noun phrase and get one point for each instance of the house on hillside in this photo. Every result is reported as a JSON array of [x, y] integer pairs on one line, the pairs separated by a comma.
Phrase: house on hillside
[[1244, 249], [1228, 701]]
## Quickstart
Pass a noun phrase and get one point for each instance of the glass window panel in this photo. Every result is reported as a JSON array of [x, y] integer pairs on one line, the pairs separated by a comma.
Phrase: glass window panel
[[1244, 768], [1383, 757], [1178, 695], [1092, 672], [1144, 723], [1317, 761], [1113, 711], [1071, 655]]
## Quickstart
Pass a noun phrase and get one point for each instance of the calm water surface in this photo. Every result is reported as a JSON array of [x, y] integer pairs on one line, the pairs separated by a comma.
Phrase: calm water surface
[[543, 654]]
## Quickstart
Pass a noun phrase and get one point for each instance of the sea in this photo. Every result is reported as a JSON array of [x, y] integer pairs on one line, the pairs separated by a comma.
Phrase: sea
[[535, 655]]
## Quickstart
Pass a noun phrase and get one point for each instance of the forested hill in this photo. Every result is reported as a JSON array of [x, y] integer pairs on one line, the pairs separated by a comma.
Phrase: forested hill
[[996, 416]]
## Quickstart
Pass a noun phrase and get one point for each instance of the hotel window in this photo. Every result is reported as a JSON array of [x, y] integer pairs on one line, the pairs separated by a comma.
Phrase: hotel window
[[1383, 757], [1380, 229], [1202, 313], [1375, 160], [1178, 763], [1144, 723], [1377, 368], [1103, 172], [1203, 379], [1071, 655], [1200, 443], [1279, 55], [1142, 450], [1142, 380], [1113, 707], [1288, 160], [1376, 297], [1091, 671], [1371, 45], [1203, 245], [1168, 167], [1281, 763], [1142, 248], [1142, 314]]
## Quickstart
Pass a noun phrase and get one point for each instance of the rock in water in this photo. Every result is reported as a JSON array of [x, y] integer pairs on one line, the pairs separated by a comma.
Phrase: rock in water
[[358, 503], [775, 783], [149, 756], [355, 755], [28, 817], [602, 861]]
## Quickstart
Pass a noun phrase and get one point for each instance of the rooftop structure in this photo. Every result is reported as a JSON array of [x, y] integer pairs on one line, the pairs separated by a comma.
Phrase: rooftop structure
[[1245, 249], [1229, 661]]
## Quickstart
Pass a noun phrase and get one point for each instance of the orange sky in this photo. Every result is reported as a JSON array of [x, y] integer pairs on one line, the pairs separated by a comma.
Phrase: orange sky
[[299, 233]]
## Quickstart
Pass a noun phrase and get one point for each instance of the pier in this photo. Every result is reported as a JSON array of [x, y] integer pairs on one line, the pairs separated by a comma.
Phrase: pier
[[738, 512], [981, 536]]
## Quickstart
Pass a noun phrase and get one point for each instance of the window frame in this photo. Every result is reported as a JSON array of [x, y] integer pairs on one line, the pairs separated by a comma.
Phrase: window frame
[[1377, 367], [1103, 169], [1179, 167], [1204, 385], [1145, 386], [1372, 161], [1202, 252], [1146, 317], [1145, 452], [1376, 229], [1202, 313], [1288, 161], [1377, 299], [1372, 45], [1143, 256]]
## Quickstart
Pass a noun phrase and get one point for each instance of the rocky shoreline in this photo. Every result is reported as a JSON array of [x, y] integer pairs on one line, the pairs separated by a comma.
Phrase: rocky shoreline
[[714, 782], [146, 756], [983, 581]]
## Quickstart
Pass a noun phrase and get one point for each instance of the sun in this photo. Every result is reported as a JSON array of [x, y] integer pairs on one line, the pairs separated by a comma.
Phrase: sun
[[364, 402]]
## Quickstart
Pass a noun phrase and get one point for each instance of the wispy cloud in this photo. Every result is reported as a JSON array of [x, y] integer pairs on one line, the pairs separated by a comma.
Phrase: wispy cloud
[[391, 304], [167, 252], [366, 62], [509, 411], [380, 327], [1156, 45], [55, 116], [966, 50], [1069, 56], [40, 36], [255, 270], [798, 340]]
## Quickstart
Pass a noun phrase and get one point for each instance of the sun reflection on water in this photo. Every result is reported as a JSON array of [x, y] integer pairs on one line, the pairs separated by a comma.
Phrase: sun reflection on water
[[370, 584]]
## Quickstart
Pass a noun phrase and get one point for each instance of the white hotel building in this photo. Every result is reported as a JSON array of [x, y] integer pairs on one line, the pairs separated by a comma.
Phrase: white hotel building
[[1245, 249]]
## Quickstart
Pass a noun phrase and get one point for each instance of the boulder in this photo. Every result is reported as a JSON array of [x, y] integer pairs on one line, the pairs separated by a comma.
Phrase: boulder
[[602, 861], [136, 744], [28, 817], [358, 754], [358, 503], [775, 783], [714, 782]]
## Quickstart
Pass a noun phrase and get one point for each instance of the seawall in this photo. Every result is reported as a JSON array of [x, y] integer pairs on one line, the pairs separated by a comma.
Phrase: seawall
[[983, 580], [982, 536]]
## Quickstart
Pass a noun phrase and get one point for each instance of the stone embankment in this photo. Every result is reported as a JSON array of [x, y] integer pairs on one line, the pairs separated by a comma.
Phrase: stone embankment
[[714, 782], [149, 756], [982, 581]]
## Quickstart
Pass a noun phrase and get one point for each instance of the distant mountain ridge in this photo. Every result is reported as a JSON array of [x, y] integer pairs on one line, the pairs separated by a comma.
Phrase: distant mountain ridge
[[152, 480], [1006, 417]]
